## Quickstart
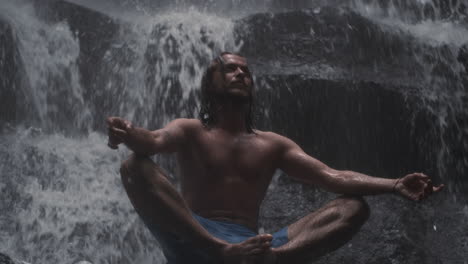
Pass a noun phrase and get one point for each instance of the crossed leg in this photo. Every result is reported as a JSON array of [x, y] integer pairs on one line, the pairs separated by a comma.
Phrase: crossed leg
[[158, 203], [324, 230]]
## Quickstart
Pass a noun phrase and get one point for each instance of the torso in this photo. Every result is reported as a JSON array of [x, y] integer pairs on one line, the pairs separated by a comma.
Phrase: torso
[[225, 176]]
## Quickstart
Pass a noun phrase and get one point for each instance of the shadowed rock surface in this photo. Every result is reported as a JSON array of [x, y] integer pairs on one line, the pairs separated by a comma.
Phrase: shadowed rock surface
[[4, 259], [9, 72]]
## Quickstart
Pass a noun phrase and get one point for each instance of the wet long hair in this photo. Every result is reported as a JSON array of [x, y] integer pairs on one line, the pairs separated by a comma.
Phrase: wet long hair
[[211, 101]]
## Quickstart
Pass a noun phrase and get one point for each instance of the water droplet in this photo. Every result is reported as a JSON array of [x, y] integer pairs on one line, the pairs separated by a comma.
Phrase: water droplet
[[261, 230]]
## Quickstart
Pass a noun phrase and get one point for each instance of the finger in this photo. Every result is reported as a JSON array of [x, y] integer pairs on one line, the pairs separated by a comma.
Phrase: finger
[[266, 245], [267, 237], [115, 131], [422, 176], [109, 120], [118, 132], [424, 185], [429, 187], [119, 122], [116, 122], [438, 188], [420, 197], [428, 191], [112, 121], [412, 197], [425, 195], [112, 146], [128, 124], [114, 137], [115, 140]]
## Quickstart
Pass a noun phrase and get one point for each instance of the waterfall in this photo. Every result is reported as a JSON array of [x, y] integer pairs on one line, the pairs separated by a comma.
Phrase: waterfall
[[443, 92], [155, 67], [61, 182], [51, 90]]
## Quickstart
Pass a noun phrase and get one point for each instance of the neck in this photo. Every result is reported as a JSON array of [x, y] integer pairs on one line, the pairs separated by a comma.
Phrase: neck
[[231, 116]]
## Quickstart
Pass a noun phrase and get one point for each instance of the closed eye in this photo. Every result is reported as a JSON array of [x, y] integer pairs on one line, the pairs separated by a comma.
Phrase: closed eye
[[231, 67]]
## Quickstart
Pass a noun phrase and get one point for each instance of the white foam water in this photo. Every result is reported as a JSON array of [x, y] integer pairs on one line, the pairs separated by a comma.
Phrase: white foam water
[[65, 200], [435, 29], [439, 36], [71, 204], [51, 79], [166, 53]]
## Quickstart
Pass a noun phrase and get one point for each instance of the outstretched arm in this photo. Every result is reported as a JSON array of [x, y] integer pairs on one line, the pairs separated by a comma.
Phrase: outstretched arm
[[146, 142], [296, 163]]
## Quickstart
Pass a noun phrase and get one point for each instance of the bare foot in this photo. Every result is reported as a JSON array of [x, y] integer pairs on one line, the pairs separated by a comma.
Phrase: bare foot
[[246, 252]]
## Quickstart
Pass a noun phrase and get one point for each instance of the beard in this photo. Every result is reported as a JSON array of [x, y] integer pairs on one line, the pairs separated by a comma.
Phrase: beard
[[215, 100], [235, 97], [237, 94]]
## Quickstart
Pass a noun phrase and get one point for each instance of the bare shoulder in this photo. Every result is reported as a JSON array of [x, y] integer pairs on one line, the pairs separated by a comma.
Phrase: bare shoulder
[[186, 124], [276, 140]]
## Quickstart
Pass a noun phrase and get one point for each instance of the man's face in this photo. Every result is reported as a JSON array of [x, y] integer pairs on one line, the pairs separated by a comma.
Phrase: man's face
[[234, 79]]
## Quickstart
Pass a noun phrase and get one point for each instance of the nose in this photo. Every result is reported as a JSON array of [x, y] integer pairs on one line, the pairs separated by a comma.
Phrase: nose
[[239, 71]]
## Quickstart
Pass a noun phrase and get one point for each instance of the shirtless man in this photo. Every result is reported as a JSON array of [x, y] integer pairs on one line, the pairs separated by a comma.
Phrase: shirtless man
[[225, 168]]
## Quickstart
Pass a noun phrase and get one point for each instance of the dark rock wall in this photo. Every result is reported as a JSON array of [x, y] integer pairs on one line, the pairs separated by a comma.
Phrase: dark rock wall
[[364, 127], [347, 124], [10, 71]]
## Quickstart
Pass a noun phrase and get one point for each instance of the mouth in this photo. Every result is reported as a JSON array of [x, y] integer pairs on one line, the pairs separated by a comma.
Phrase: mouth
[[238, 83]]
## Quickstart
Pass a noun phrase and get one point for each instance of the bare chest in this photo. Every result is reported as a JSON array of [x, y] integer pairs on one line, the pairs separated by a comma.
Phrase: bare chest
[[246, 157]]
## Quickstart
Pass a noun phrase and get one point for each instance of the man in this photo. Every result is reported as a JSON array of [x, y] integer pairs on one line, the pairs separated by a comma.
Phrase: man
[[226, 166]]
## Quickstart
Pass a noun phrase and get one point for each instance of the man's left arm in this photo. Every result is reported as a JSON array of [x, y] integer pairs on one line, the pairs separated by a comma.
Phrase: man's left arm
[[297, 164]]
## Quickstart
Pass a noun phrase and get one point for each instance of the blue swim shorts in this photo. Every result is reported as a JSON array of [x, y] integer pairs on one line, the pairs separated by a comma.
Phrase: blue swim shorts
[[179, 251]]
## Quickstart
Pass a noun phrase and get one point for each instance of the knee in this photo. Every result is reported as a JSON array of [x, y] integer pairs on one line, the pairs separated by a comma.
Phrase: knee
[[134, 165], [355, 210]]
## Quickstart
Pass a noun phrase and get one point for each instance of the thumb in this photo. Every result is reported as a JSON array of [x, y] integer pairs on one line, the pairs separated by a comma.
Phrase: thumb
[[438, 188]]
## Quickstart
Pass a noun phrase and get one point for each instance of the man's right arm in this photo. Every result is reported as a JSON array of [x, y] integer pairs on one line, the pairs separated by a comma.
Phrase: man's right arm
[[145, 142]]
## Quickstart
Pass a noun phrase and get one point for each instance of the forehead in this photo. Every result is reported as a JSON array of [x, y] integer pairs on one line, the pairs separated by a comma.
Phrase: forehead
[[234, 59]]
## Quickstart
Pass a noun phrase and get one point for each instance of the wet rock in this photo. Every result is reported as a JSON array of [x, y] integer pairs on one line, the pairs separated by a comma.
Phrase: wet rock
[[332, 119], [4, 259], [334, 43], [10, 70], [365, 127], [94, 32], [463, 56]]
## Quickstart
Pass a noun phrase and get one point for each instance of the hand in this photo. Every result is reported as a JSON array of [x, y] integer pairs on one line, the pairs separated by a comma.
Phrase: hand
[[117, 131], [416, 186]]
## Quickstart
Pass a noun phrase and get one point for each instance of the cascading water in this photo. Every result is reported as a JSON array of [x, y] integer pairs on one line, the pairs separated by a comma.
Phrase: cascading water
[[62, 198], [442, 91], [164, 59], [50, 85], [61, 184]]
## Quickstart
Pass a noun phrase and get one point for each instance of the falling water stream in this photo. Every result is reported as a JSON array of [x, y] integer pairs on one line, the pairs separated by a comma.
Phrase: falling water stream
[[62, 200]]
